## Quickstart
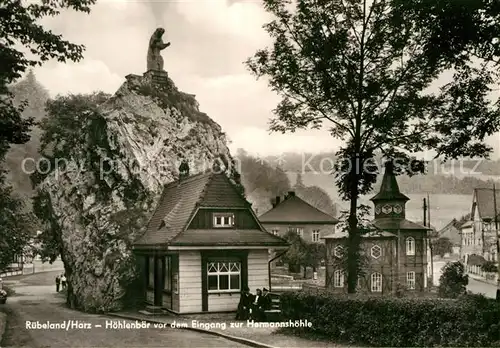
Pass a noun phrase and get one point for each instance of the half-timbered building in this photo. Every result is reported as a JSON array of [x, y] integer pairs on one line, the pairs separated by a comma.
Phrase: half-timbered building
[[202, 246], [393, 251]]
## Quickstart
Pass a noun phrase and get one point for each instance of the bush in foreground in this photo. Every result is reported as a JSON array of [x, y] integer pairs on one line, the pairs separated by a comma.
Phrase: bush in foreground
[[453, 282], [393, 322]]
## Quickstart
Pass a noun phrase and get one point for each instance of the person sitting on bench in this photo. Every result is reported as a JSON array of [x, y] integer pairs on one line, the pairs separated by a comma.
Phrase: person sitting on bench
[[266, 300], [257, 310], [244, 307]]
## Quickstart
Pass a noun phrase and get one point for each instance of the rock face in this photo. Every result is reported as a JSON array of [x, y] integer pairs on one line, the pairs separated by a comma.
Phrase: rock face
[[145, 130]]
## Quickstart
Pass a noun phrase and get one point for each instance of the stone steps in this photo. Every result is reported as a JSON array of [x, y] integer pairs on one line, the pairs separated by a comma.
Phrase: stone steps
[[153, 310]]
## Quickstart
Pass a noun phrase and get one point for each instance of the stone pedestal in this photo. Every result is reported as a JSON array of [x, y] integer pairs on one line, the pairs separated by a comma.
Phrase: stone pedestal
[[157, 77]]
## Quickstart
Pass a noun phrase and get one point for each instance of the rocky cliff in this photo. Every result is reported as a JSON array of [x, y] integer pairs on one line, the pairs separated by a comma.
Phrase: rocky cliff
[[97, 199]]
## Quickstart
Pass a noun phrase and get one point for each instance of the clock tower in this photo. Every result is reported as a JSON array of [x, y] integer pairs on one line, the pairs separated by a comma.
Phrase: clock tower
[[389, 202]]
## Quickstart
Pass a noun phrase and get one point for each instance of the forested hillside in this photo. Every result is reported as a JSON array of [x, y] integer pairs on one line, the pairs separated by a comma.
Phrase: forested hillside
[[263, 182], [31, 92], [455, 177]]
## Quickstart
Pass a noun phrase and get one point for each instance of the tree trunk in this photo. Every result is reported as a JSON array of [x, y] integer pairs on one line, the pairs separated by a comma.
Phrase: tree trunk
[[354, 238], [305, 272]]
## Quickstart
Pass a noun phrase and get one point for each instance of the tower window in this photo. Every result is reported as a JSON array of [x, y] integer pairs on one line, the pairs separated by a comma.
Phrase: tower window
[[410, 246]]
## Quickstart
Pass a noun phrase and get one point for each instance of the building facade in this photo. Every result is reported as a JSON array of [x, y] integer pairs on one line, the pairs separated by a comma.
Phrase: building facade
[[292, 214], [394, 251], [479, 235], [453, 231], [202, 246]]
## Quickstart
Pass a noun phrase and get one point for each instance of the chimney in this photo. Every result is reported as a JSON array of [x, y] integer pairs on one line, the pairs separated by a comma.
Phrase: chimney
[[183, 170], [273, 202], [291, 193], [278, 200]]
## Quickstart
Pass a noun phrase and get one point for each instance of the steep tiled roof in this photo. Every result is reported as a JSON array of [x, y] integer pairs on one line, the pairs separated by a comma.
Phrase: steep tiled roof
[[295, 210], [485, 202], [389, 190], [218, 193], [176, 205], [179, 202], [223, 237], [391, 224], [452, 231]]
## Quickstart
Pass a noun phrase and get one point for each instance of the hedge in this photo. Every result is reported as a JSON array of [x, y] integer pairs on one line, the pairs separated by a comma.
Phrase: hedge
[[471, 321]]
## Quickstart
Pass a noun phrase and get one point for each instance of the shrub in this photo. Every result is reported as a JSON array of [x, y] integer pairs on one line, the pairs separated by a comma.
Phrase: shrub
[[453, 282], [489, 267], [393, 322]]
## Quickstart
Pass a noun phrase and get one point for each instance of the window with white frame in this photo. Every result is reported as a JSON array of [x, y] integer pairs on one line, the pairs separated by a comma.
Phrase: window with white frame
[[338, 251], [410, 280], [223, 220], [410, 246], [297, 230], [376, 251], [315, 236], [338, 279], [376, 282], [275, 231], [224, 276]]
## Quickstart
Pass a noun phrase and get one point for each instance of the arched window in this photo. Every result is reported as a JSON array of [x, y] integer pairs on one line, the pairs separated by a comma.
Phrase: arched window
[[338, 279], [410, 246], [376, 282], [410, 280]]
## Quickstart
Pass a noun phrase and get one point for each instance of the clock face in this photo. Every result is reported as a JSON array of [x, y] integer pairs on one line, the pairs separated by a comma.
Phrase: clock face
[[377, 209], [386, 209], [398, 209]]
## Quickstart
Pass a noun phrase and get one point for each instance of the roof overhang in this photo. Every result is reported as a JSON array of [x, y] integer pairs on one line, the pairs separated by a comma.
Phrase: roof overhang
[[207, 247], [228, 247], [300, 222]]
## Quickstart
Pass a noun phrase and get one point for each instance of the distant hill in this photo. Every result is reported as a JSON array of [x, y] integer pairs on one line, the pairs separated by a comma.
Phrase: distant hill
[[444, 207], [454, 177], [263, 182]]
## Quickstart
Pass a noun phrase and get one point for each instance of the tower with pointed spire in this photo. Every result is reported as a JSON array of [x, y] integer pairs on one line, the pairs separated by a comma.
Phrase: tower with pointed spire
[[395, 248], [389, 201]]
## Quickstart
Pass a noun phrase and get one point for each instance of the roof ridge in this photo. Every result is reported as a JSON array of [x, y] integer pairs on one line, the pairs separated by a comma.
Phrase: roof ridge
[[210, 176], [204, 190], [312, 206]]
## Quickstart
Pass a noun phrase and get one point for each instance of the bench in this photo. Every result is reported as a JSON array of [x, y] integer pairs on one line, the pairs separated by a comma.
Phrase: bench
[[274, 314]]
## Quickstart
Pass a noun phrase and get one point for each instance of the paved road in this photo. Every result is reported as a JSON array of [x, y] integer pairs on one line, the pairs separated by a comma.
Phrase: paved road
[[35, 301], [475, 286]]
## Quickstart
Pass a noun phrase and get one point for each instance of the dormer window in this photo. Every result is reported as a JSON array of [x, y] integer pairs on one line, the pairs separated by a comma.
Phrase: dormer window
[[223, 220]]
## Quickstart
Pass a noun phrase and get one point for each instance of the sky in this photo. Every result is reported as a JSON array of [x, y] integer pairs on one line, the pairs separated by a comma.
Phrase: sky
[[210, 40]]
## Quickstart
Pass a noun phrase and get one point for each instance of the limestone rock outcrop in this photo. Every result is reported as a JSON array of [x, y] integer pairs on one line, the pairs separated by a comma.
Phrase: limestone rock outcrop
[[96, 210]]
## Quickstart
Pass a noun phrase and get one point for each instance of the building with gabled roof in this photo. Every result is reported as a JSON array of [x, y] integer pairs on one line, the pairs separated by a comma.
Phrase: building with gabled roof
[[452, 231], [202, 246], [394, 251], [293, 214], [479, 236]]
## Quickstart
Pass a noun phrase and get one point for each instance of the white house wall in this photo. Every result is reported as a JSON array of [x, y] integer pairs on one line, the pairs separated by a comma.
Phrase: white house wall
[[190, 282]]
